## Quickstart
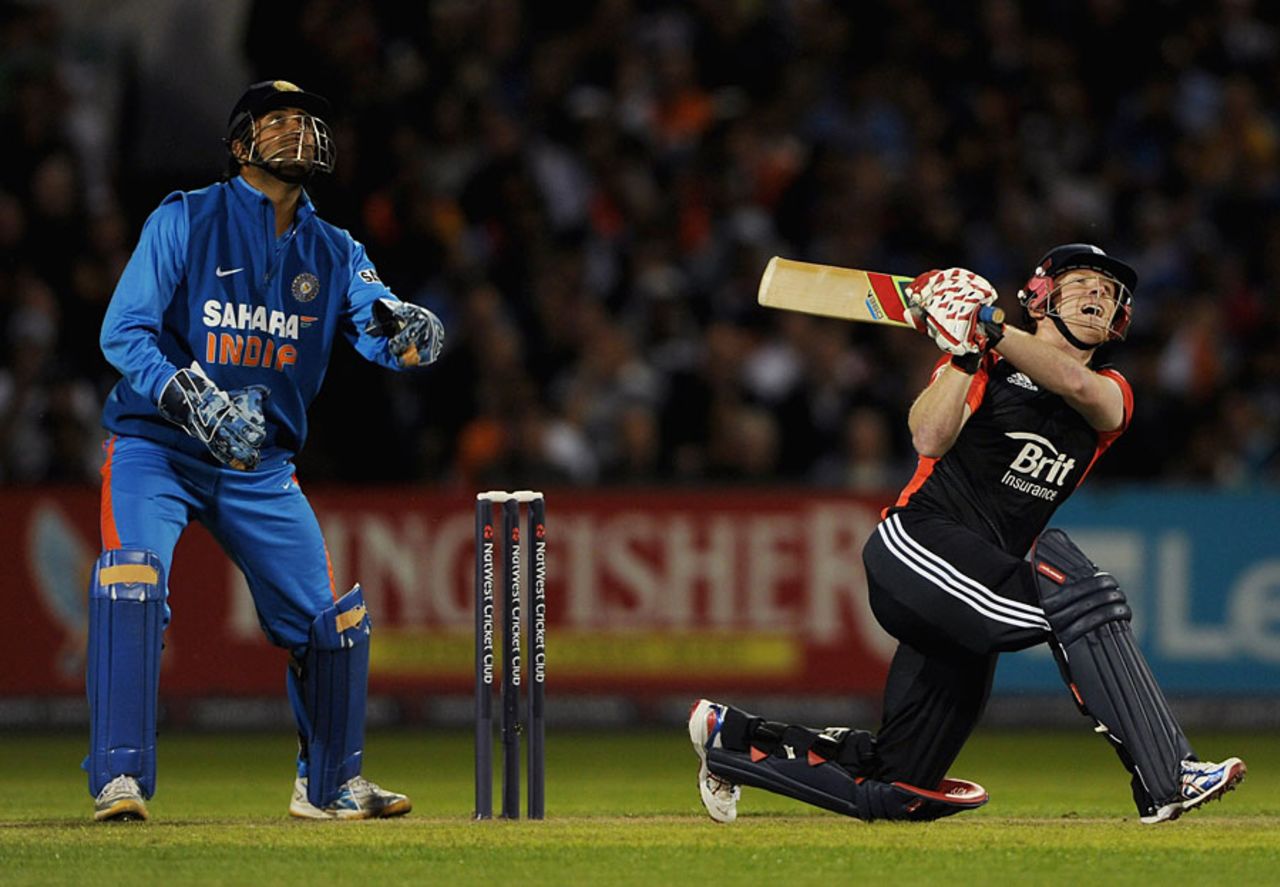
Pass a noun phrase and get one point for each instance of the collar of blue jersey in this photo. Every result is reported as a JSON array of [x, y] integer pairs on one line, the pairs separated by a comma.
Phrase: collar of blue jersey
[[251, 196]]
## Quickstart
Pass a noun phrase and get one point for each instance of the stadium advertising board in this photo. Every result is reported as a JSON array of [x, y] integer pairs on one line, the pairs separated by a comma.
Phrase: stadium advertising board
[[649, 593]]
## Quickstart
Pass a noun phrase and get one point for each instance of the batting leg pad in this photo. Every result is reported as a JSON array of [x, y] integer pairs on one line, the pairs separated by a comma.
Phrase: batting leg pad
[[832, 787], [126, 627], [1106, 672], [332, 680]]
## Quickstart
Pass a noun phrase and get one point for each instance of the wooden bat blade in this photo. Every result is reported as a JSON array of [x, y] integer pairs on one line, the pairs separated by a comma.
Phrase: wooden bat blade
[[831, 291]]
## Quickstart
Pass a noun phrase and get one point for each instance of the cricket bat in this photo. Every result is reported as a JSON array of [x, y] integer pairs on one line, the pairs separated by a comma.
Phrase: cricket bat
[[845, 293]]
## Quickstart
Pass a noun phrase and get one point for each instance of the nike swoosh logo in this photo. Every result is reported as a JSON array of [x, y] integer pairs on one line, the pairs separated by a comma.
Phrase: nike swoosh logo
[[218, 271]]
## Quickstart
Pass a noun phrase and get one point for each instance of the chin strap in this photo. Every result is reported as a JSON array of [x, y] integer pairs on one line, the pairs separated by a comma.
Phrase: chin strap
[[291, 179], [1069, 336]]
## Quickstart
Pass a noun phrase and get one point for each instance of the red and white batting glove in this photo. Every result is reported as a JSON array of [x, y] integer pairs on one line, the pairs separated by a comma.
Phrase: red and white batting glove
[[945, 306]]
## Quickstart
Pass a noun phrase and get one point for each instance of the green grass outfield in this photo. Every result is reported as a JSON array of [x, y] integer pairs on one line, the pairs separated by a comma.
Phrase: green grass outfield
[[623, 810]]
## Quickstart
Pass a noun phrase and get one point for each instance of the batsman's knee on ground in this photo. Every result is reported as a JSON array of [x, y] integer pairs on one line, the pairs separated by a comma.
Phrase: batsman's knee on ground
[[828, 768]]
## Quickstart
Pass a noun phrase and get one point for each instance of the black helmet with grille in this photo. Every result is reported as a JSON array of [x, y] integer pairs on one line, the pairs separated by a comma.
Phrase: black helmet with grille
[[1039, 288]]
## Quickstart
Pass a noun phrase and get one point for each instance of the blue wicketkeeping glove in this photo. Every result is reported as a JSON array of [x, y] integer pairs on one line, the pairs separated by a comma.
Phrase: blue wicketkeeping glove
[[230, 424], [414, 335]]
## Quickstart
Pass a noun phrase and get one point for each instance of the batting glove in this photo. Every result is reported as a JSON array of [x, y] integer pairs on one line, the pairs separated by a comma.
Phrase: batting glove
[[944, 305], [230, 424], [414, 335]]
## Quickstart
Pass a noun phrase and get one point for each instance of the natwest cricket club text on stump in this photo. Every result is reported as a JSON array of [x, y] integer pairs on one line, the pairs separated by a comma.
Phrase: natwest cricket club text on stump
[[512, 672]]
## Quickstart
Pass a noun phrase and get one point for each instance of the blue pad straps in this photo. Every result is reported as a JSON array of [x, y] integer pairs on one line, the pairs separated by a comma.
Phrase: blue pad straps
[[334, 683], [126, 625]]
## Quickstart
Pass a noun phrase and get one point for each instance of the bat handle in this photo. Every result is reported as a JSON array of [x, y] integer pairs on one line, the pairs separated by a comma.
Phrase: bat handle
[[991, 314]]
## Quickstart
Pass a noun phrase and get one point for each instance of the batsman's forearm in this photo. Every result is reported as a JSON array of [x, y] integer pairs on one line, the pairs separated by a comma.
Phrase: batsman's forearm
[[939, 412], [1096, 397], [1047, 366]]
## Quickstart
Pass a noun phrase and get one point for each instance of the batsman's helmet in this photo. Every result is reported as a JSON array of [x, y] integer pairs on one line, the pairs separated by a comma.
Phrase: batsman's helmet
[[290, 152], [1036, 294]]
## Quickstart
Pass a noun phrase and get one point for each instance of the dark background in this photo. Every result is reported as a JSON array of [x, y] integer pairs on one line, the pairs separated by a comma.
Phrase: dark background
[[586, 193]]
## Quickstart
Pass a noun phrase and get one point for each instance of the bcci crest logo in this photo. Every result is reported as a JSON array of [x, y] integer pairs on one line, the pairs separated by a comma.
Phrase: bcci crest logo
[[305, 287]]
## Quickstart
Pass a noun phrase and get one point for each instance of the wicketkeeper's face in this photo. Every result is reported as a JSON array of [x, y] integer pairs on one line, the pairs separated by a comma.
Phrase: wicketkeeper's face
[[289, 141], [289, 136]]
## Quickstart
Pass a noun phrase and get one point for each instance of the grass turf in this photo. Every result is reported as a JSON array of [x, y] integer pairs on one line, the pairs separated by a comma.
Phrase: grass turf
[[623, 810]]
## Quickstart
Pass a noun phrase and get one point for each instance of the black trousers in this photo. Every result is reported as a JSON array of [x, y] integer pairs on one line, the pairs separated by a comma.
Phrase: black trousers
[[953, 601]]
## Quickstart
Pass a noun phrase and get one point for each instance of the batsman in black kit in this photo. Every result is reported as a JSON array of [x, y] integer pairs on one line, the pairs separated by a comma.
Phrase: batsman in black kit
[[1009, 425]]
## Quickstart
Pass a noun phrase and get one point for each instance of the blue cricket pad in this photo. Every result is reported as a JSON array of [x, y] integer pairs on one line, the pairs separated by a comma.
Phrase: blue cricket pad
[[334, 683], [832, 787], [126, 626]]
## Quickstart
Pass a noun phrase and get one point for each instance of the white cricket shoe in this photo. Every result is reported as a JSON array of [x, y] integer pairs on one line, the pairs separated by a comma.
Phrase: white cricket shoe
[[121, 801], [718, 796], [1201, 781], [357, 799]]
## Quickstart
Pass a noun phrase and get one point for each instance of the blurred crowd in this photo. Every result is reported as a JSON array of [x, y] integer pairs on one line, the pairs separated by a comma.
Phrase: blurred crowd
[[586, 193]]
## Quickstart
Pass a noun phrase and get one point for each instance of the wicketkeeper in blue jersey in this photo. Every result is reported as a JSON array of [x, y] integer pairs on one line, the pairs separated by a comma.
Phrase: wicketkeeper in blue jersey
[[222, 324]]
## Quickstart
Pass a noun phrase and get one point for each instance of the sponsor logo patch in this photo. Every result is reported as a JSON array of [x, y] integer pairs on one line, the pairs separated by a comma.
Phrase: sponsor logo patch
[[251, 335], [1038, 470]]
